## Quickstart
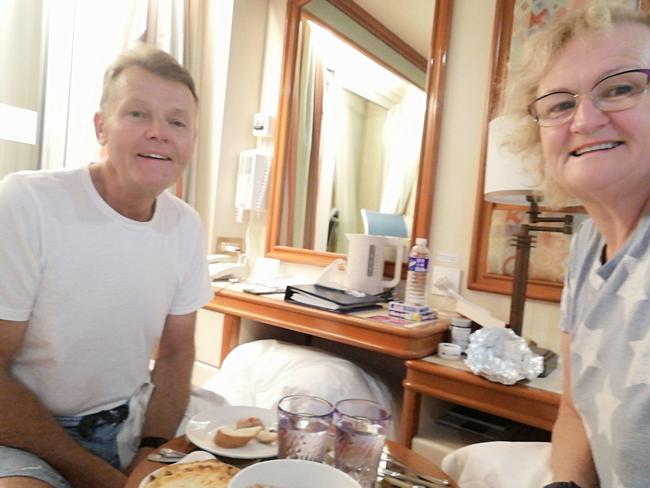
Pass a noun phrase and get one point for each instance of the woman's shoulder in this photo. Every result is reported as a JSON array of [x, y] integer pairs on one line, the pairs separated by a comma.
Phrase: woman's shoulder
[[587, 242], [586, 231]]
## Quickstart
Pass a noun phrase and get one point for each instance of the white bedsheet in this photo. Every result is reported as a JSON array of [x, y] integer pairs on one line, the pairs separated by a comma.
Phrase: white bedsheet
[[260, 373]]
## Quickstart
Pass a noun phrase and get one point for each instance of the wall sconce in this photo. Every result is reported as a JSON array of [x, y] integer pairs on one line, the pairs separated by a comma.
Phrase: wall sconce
[[18, 124], [507, 182]]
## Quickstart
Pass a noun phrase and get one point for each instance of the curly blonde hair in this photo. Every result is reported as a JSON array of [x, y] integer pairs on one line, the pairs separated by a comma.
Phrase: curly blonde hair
[[526, 72]]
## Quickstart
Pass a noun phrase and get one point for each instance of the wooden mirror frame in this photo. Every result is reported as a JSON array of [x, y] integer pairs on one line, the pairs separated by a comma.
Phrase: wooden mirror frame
[[435, 84]]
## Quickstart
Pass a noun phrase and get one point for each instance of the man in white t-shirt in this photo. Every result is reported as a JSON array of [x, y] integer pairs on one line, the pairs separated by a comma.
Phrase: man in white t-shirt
[[102, 269]]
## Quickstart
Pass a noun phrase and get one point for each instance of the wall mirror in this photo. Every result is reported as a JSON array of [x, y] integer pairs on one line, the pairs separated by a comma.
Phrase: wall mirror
[[358, 123]]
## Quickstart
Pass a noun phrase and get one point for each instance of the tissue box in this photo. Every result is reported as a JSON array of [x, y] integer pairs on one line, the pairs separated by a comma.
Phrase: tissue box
[[416, 316], [411, 312], [406, 308]]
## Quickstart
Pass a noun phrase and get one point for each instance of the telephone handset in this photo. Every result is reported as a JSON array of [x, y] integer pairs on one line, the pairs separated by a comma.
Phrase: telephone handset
[[225, 271], [221, 268]]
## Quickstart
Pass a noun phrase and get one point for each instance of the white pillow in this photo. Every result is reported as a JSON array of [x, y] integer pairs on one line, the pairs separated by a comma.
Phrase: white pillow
[[260, 373], [490, 464]]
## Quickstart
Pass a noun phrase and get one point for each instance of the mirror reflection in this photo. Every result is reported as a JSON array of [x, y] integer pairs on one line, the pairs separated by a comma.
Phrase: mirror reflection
[[356, 139]]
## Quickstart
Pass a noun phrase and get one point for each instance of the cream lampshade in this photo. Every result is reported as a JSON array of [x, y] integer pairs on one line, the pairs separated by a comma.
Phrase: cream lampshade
[[506, 178]]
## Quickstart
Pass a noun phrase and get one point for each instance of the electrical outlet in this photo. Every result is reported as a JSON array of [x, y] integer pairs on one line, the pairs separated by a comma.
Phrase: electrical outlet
[[230, 245], [453, 276]]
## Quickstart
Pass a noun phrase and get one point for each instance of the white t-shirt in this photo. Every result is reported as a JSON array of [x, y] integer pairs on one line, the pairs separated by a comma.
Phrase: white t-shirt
[[95, 286]]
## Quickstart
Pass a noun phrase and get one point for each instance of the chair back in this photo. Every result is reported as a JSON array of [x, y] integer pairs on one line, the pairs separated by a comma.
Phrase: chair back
[[384, 224]]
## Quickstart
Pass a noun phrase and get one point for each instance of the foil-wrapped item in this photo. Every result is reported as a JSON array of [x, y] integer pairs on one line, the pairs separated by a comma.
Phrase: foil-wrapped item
[[502, 356]]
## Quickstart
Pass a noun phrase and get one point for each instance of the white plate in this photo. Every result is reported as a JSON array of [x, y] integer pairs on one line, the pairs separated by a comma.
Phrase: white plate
[[202, 428], [190, 458]]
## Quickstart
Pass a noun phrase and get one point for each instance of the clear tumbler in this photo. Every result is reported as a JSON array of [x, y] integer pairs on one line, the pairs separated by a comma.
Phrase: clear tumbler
[[361, 427], [303, 427]]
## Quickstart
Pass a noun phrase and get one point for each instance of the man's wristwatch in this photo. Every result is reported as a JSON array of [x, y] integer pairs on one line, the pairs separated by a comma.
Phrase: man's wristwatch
[[562, 484], [152, 442]]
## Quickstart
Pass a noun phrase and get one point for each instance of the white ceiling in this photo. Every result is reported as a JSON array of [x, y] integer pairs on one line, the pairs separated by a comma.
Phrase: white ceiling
[[412, 20]]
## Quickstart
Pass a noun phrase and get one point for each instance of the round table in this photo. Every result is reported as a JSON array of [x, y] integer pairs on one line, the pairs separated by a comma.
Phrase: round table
[[401, 453]]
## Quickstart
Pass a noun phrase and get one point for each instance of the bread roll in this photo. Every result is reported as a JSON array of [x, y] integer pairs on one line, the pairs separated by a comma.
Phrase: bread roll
[[230, 436], [249, 422]]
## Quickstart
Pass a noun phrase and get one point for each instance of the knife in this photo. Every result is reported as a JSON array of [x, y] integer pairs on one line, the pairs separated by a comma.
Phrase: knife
[[412, 481], [386, 458], [400, 484]]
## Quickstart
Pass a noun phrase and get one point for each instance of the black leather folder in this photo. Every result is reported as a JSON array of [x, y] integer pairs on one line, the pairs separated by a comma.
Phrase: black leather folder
[[330, 299]]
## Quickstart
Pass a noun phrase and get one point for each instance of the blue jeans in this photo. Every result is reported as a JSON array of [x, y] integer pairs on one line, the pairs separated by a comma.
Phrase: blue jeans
[[99, 436]]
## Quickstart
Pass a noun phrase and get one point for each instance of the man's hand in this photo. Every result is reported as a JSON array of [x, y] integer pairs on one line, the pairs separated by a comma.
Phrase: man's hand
[[140, 456]]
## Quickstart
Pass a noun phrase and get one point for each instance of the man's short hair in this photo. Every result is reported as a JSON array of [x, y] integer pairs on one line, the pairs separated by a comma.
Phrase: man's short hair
[[152, 60]]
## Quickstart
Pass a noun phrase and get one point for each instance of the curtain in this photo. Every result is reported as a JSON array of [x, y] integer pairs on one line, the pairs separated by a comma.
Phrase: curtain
[[21, 39], [299, 178], [349, 134], [192, 42], [327, 215], [83, 38], [402, 143]]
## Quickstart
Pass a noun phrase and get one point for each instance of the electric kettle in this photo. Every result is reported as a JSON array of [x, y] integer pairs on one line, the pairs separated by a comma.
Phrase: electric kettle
[[365, 262]]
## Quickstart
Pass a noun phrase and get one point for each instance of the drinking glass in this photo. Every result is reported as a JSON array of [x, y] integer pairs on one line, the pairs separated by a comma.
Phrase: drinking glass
[[303, 427], [361, 427]]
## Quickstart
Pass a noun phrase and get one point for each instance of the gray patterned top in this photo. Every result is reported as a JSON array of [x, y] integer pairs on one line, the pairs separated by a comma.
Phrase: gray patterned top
[[606, 310]]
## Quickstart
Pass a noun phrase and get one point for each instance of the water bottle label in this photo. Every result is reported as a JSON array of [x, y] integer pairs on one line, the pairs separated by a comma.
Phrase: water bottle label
[[418, 264]]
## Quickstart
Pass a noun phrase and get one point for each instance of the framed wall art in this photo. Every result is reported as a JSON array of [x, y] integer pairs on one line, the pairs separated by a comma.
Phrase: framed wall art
[[492, 257]]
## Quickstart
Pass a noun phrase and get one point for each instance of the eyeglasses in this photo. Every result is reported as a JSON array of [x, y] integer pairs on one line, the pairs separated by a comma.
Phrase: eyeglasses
[[615, 92]]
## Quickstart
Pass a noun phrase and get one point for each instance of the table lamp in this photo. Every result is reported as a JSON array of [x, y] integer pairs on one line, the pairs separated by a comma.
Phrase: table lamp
[[508, 182], [17, 124]]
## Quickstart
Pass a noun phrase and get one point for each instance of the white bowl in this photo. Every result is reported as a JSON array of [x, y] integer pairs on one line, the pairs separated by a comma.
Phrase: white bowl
[[292, 473]]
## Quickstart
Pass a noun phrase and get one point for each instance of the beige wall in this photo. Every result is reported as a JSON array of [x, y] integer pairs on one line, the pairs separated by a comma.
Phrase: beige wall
[[232, 59], [462, 129]]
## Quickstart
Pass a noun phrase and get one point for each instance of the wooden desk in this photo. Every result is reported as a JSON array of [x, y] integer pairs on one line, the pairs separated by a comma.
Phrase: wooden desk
[[535, 403], [352, 329], [402, 454]]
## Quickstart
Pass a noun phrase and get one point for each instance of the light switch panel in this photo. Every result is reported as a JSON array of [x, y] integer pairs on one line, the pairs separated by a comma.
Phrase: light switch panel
[[452, 274]]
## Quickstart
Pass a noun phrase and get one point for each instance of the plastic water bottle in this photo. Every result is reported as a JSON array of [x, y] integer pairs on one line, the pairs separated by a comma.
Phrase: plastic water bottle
[[416, 278]]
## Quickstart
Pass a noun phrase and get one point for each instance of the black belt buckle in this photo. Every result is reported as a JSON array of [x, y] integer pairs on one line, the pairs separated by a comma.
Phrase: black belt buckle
[[114, 416]]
